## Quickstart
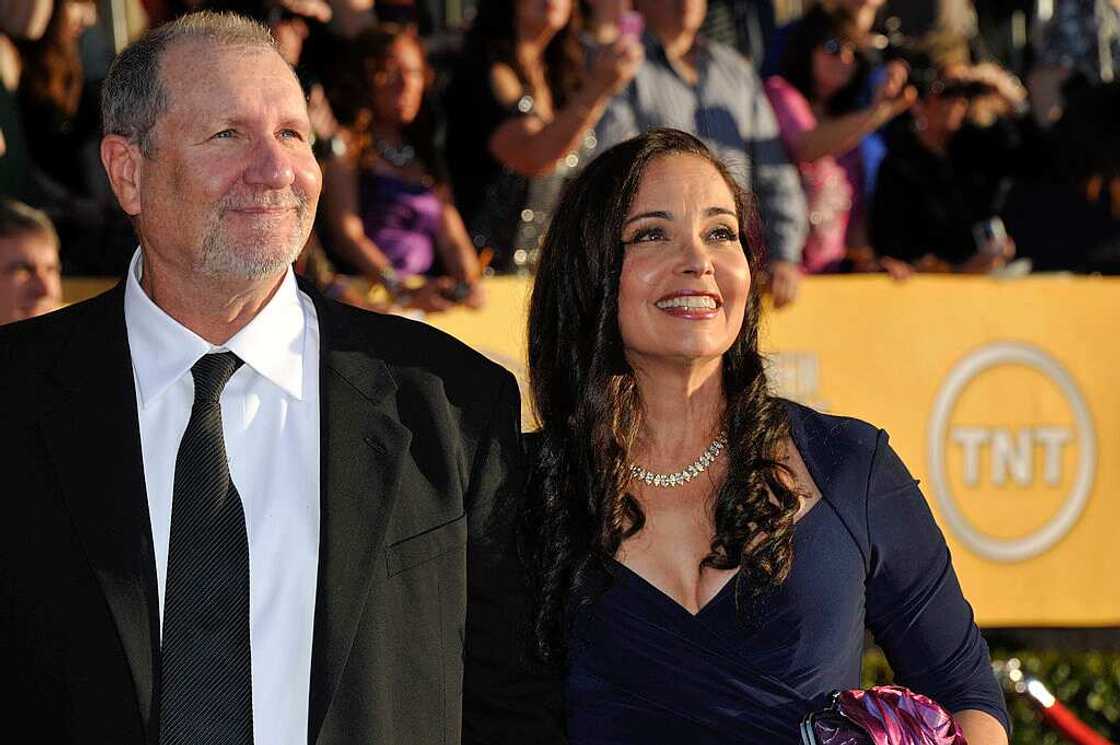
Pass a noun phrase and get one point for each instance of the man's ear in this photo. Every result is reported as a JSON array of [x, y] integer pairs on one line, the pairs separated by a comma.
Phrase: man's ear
[[121, 159]]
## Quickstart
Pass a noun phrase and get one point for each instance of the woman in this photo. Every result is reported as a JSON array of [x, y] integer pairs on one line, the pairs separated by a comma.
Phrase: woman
[[817, 100], [718, 598], [389, 212], [59, 110], [524, 104]]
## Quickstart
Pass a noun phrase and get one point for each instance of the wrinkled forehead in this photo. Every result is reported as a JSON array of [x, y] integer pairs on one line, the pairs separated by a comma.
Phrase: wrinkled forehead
[[197, 73]]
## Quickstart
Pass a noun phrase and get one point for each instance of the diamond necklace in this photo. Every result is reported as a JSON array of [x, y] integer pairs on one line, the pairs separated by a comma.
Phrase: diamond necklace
[[686, 474]]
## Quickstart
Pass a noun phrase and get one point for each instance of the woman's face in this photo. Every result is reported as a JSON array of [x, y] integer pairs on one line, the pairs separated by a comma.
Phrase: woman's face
[[685, 279], [398, 84], [534, 16], [834, 64]]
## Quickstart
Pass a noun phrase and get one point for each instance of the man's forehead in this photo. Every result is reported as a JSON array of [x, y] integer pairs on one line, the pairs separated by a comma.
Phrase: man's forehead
[[203, 78], [196, 68], [31, 243]]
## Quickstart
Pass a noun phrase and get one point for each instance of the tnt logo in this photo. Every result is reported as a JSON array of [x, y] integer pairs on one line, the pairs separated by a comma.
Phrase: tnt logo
[[1012, 451]]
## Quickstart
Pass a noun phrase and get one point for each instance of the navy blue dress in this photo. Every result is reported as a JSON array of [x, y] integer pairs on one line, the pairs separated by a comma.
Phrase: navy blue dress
[[645, 671]]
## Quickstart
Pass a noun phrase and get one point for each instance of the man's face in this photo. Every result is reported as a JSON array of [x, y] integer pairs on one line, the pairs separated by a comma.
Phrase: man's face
[[29, 276], [231, 188], [672, 16]]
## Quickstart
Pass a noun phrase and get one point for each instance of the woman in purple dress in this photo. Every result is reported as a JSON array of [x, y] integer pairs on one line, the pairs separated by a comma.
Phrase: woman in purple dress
[[389, 211], [703, 556]]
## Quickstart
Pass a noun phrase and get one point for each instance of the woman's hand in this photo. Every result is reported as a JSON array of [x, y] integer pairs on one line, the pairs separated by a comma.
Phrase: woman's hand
[[785, 280], [432, 296], [893, 96], [615, 65]]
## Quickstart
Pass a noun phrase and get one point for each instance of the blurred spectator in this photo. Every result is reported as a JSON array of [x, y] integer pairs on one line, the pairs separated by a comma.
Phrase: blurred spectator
[[61, 121], [708, 89], [29, 269], [389, 213], [19, 20], [746, 25], [1078, 47], [818, 102], [862, 14], [60, 116], [947, 172], [1080, 182], [523, 104], [1083, 37], [601, 20]]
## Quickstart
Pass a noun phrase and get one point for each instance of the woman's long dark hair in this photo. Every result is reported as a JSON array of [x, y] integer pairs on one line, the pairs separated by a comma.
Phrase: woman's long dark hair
[[816, 27], [352, 98], [493, 36], [52, 67], [579, 508]]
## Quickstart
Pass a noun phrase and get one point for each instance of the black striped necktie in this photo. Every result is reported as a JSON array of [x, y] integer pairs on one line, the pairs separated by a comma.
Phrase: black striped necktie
[[207, 687]]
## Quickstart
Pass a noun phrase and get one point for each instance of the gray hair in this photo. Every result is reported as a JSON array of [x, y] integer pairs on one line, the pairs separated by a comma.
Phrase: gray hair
[[17, 218], [133, 96]]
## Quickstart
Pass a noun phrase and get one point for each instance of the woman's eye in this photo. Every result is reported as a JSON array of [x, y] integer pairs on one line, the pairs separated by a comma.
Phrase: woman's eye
[[646, 235], [722, 233]]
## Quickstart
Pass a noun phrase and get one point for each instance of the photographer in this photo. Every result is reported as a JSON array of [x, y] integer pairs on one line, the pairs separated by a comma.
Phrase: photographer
[[948, 167]]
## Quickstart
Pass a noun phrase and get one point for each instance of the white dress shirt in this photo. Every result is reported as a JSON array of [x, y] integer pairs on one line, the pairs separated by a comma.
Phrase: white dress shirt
[[270, 419]]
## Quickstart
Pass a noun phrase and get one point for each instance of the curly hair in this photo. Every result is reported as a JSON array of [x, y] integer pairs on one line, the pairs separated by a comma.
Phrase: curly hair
[[579, 507]]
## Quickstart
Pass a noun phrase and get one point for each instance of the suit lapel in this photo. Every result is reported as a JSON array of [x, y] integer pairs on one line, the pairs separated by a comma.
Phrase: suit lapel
[[94, 437], [363, 445]]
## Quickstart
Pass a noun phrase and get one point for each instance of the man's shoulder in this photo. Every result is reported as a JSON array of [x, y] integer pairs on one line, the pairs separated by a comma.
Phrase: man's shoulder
[[726, 57], [413, 350], [34, 344]]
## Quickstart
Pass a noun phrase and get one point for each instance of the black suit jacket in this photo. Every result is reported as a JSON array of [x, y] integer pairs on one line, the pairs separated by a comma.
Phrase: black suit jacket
[[420, 461]]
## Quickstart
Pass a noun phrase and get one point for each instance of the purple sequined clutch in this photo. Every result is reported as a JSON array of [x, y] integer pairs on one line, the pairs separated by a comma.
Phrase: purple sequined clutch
[[883, 715]]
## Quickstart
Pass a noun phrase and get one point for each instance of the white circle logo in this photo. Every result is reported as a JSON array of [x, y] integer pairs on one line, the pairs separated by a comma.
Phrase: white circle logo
[[982, 360]]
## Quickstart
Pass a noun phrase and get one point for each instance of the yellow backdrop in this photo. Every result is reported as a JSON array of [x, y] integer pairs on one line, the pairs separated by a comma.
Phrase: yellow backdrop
[[1002, 397]]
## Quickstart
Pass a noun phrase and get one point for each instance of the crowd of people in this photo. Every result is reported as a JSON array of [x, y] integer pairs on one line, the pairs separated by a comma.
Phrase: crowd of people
[[871, 138]]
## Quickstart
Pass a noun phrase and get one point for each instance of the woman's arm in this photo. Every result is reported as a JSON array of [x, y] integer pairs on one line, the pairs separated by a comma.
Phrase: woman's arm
[[915, 607], [838, 135], [457, 251], [531, 146], [344, 220], [980, 727], [454, 244]]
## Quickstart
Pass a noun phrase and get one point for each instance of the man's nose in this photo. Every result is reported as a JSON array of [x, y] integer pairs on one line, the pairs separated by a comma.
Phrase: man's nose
[[270, 165], [38, 283]]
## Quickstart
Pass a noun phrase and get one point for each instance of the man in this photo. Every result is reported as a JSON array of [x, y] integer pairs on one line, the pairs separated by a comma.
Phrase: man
[[236, 512], [29, 268], [698, 86]]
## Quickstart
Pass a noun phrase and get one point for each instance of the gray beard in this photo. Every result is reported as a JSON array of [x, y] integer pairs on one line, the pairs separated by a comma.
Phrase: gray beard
[[219, 259]]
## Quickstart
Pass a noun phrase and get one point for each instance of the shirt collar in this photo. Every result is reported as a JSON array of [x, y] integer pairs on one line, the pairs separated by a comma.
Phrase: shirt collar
[[163, 350]]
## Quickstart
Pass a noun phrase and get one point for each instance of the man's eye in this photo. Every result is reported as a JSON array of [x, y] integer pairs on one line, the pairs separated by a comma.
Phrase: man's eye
[[291, 134], [645, 235], [225, 134]]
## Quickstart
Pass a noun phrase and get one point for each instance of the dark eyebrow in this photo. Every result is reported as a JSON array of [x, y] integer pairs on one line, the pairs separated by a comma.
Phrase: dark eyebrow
[[656, 213], [663, 215]]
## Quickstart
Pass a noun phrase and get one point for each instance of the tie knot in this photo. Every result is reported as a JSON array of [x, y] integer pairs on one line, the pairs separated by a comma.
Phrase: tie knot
[[211, 373]]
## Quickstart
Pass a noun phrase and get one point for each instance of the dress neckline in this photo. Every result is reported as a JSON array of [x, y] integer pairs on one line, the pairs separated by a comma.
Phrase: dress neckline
[[664, 598]]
